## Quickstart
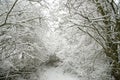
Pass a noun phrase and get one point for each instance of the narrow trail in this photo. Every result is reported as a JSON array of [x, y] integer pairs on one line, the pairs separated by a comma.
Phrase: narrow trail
[[56, 73], [52, 19]]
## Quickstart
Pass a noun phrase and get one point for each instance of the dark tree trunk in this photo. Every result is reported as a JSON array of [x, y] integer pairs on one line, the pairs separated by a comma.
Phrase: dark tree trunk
[[112, 50], [116, 65]]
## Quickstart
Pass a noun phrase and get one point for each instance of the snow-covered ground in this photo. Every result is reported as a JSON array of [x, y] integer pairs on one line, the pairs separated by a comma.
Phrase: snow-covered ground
[[56, 73]]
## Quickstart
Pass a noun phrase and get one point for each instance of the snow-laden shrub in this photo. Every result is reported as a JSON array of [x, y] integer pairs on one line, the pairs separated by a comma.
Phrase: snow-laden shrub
[[21, 49], [53, 60]]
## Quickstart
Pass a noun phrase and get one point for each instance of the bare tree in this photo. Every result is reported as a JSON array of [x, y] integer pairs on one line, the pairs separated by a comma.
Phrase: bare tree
[[100, 19]]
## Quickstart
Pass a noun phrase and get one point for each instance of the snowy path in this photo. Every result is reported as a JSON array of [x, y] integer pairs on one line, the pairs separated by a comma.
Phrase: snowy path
[[57, 73], [53, 19]]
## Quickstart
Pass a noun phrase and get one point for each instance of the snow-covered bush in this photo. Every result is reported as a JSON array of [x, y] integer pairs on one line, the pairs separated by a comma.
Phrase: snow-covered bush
[[53, 60], [21, 49]]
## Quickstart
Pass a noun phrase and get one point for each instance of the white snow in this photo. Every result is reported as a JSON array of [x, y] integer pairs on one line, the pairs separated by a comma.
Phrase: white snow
[[57, 73], [53, 39]]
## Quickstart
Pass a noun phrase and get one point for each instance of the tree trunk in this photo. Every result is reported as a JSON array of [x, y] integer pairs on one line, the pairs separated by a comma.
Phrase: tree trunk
[[116, 65], [112, 50]]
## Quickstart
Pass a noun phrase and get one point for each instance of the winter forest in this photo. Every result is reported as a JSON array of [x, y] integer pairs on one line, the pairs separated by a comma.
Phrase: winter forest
[[59, 39]]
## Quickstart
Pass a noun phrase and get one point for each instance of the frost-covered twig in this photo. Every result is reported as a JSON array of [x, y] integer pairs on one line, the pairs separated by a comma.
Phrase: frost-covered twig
[[6, 18]]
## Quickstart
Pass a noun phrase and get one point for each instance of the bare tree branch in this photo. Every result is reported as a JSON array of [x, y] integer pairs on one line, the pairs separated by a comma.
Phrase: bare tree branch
[[92, 37], [6, 18]]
